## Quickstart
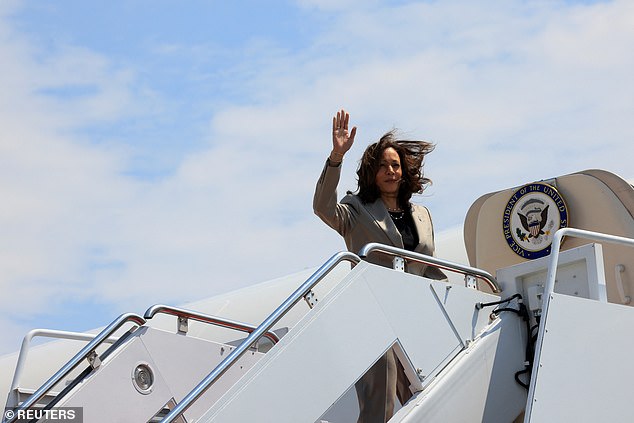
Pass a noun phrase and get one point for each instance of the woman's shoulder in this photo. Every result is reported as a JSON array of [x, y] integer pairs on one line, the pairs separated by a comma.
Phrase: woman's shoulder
[[419, 209], [351, 199]]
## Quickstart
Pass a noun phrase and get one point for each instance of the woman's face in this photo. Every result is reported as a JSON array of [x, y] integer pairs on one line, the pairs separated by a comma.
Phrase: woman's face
[[388, 177]]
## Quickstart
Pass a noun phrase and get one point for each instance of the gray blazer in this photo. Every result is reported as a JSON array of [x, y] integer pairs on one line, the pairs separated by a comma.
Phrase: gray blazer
[[360, 223]]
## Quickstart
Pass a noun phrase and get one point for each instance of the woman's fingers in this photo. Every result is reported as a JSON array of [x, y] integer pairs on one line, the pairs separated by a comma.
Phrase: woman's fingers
[[353, 132], [340, 136]]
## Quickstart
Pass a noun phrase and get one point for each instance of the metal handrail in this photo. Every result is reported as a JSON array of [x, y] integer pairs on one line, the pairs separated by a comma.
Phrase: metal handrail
[[430, 260], [76, 360], [266, 325], [48, 333], [206, 318], [550, 288]]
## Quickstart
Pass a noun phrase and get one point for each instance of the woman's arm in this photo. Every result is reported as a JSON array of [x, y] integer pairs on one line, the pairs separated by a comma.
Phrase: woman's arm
[[325, 205]]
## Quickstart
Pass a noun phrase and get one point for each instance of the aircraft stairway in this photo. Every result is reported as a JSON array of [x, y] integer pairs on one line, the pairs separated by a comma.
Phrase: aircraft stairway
[[453, 352], [432, 327], [460, 348], [150, 374]]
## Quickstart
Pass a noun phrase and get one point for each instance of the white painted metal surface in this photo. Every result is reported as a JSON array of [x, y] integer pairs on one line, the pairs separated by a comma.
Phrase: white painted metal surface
[[549, 291], [580, 273], [478, 385], [586, 366]]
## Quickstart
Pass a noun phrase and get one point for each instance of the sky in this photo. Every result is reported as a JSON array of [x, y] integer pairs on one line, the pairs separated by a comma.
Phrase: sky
[[154, 151]]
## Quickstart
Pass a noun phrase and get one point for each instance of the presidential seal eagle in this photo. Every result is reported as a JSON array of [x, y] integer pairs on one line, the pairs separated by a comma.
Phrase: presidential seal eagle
[[534, 220]]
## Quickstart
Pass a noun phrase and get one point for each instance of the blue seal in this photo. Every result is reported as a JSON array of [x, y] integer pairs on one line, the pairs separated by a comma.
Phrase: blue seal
[[531, 217]]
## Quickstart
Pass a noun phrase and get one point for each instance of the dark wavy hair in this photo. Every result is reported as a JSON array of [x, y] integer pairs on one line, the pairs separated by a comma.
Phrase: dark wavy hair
[[411, 153]]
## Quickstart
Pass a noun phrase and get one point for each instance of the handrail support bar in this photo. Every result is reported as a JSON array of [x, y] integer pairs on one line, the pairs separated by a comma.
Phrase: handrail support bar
[[431, 261], [185, 315]]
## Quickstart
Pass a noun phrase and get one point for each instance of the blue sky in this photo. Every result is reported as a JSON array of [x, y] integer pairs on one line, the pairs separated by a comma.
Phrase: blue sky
[[156, 151]]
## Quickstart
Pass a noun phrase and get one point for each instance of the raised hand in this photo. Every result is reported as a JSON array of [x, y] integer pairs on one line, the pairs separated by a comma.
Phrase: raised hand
[[342, 139]]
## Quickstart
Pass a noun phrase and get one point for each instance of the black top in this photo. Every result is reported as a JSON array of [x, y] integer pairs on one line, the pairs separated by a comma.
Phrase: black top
[[405, 225]]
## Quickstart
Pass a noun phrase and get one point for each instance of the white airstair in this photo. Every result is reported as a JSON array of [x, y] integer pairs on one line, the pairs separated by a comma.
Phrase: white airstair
[[147, 371]]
